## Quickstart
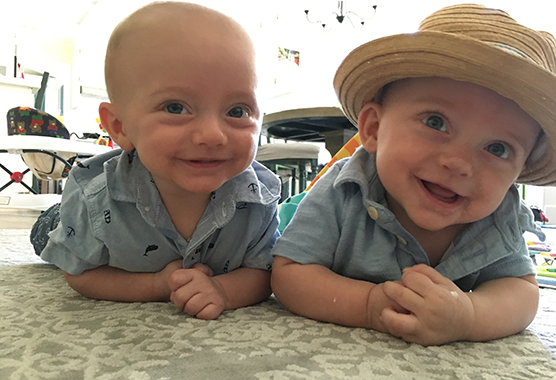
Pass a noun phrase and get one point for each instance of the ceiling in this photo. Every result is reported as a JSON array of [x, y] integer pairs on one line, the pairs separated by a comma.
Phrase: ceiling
[[64, 21], [66, 18], [63, 18], [51, 16]]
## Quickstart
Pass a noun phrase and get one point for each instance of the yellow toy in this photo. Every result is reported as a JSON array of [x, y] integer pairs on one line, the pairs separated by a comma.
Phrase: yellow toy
[[347, 150]]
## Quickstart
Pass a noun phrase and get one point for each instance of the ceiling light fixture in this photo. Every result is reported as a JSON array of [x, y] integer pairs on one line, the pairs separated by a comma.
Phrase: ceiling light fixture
[[340, 16]]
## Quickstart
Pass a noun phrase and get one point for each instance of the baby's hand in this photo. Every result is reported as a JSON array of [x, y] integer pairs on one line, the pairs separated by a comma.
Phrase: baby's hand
[[439, 311], [161, 280], [204, 269], [197, 293], [376, 303]]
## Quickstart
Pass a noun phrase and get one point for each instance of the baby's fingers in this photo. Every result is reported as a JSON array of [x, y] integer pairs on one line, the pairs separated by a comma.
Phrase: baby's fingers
[[181, 296], [195, 304], [402, 325], [430, 273], [203, 269], [403, 296], [198, 303], [180, 278], [210, 311], [184, 284]]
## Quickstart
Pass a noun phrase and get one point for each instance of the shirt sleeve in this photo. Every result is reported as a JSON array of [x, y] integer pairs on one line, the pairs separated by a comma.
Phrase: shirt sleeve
[[312, 235], [519, 263], [258, 254], [516, 265], [72, 246]]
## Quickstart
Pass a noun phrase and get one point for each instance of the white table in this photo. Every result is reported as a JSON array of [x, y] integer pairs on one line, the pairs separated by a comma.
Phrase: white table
[[49, 145]]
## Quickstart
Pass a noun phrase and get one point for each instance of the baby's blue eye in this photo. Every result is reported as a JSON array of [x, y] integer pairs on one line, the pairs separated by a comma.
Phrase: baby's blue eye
[[238, 112], [175, 108], [435, 122], [498, 149]]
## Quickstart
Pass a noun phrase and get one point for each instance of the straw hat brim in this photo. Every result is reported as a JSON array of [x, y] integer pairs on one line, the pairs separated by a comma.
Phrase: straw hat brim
[[436, 54]]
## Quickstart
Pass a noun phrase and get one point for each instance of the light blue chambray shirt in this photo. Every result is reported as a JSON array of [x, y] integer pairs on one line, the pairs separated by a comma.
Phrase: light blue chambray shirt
[[344, 224], [112, 214]]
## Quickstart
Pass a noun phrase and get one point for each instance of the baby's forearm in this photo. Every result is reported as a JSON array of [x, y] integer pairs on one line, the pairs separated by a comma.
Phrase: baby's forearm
[[503, 307], [318, 293], [244, 287], [113, 284]]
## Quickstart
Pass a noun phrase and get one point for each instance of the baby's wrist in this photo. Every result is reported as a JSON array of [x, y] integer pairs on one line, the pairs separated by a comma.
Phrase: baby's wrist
[[221, 290], [469, 328], [372, 320], [160, 287]]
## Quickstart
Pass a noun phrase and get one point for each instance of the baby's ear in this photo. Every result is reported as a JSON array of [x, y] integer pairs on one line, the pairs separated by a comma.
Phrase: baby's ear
[[369, 121], [113, 125]]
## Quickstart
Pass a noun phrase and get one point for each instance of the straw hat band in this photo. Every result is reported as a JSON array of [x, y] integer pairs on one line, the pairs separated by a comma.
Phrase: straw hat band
[[511, 50]]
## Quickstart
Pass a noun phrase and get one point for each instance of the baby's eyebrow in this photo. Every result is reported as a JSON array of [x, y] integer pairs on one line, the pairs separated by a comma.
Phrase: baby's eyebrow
[[437, 100], [171, 90]]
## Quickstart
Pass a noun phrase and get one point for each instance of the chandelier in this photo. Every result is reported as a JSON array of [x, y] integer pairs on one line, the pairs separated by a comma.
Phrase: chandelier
[[341, 15]]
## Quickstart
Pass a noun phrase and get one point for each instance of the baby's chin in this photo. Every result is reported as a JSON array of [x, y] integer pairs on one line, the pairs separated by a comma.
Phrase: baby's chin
[[194, 187], [437, 223]]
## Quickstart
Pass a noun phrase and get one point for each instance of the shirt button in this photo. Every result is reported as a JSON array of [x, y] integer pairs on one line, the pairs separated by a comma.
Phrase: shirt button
[[373, 212], [402, 240]]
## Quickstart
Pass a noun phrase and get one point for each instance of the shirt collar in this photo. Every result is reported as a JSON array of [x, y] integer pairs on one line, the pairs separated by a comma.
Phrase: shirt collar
[[256, 184], [128, 180], [360, 169]]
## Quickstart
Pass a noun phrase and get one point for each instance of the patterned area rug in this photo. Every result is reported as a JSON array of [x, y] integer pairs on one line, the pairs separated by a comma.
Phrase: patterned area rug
[[47, 331]]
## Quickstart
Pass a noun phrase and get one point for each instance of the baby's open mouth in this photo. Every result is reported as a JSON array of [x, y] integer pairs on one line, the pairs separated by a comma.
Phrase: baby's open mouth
[[440, 193]]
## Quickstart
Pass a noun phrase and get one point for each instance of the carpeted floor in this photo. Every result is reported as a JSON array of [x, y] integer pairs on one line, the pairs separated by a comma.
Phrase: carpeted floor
[[47, 331]]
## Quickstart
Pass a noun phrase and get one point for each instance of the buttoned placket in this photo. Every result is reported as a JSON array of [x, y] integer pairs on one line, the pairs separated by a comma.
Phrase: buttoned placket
[[214, 218], [388, 222]]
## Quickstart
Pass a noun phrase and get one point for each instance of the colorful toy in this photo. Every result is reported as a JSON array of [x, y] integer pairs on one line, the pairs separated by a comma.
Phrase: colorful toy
[[104, 140]]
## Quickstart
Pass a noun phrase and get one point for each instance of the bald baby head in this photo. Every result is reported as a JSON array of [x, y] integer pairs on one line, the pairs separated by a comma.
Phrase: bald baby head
[[158, 28]]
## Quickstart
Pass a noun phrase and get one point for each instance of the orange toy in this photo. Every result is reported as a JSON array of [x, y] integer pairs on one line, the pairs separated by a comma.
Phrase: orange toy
[[347, 151]]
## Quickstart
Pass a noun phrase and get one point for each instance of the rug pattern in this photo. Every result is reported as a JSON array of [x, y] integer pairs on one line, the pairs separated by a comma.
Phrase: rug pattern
[[48, 331]]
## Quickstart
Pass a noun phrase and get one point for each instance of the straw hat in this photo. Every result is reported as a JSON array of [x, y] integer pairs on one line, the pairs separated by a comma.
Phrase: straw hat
[[468, 43]]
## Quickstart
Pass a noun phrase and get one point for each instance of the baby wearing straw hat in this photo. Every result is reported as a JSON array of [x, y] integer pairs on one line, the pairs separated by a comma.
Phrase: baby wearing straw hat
[[420, 233]]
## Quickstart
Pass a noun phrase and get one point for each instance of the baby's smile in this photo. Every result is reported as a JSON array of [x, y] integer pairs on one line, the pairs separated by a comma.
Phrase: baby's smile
[[441, 193]]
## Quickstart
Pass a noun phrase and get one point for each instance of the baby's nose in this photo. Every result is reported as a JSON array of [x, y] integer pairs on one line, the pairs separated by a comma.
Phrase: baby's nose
[[209, 131], [458, 160]]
